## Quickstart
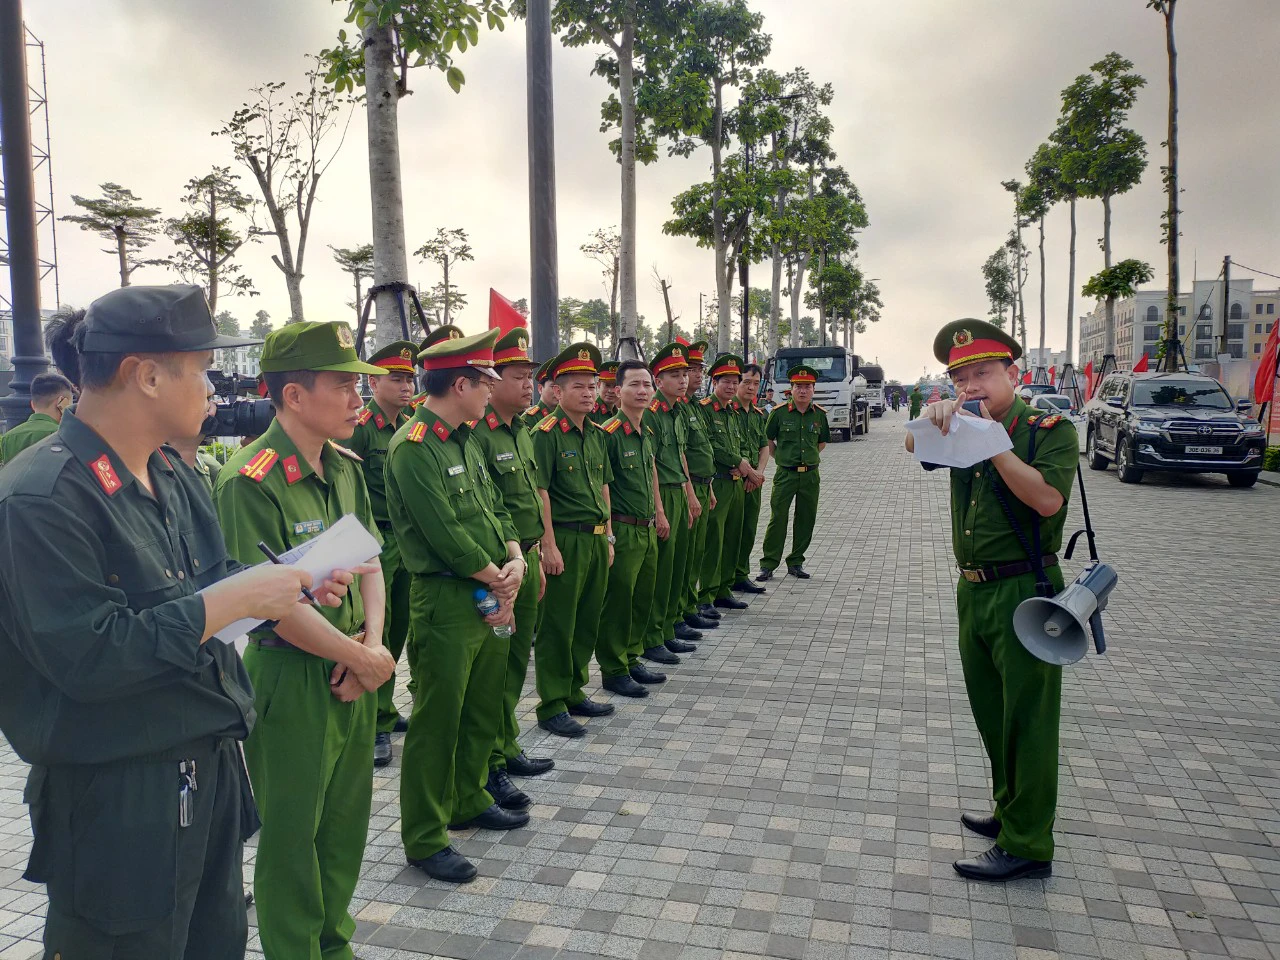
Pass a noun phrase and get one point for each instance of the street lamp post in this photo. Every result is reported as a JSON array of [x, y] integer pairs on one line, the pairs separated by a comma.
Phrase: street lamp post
[[544, 299]]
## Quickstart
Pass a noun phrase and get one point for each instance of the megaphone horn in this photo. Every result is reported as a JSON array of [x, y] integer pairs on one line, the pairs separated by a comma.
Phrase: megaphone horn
[[1055, 629]]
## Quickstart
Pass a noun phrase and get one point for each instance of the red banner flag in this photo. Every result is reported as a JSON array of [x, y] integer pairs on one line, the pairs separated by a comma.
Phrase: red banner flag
[[502, 314], [1026, 377], [1141, 365], [1088, 380], [1051, 373], [1265, 385]]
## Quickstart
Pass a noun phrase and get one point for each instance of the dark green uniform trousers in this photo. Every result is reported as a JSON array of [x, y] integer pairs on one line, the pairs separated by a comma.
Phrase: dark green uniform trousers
[[460, 664], [668, 581], [567, 638], [125, 881], [724, 531], [1016, 700], [747, 539], [309, 758], [695, 547], [396, 624], [789, 485], [628, 599], [506, 745]]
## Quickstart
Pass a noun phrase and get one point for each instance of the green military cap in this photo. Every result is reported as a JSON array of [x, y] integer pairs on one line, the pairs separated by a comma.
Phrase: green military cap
[[609, 371], [544, 371], [159, 319], [395, 357], [446, 332], [513, 348], [314, 346], [672, 356], [962, 342], [698, 352], [577, 358], [727, 365], [801, 373], [453, 353]]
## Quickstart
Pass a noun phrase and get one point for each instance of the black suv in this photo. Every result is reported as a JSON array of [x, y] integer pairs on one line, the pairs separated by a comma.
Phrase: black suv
[[1184, 422]]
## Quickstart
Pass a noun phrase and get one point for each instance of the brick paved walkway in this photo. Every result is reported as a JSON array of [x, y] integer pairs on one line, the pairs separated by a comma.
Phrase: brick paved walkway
[[794, 790]]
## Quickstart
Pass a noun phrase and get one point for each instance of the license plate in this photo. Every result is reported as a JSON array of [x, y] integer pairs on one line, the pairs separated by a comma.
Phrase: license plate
[[1215, 450]]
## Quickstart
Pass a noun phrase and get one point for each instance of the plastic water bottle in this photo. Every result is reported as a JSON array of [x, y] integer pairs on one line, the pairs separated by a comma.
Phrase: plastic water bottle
[[488, 604]]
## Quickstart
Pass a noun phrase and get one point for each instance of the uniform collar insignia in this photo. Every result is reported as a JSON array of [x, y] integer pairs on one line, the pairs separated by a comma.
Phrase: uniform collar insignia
[[105, 474], [292, 472]]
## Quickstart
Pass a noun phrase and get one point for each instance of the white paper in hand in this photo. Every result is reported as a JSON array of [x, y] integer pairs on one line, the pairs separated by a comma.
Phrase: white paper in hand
[[970, 440]]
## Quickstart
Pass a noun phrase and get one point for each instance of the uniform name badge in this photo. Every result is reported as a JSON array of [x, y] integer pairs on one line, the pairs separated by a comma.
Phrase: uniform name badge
[[568, 453], [455, 470], [505, 456], [308, 527], [629, 453]]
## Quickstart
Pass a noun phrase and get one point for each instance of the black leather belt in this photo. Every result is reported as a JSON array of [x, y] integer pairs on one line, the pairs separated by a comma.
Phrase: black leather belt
[[527, 545], [383, 524], [631, 521], [704, 481], [276, 642], [1005, 570], [800, 469], [728, 476], [594, 528]]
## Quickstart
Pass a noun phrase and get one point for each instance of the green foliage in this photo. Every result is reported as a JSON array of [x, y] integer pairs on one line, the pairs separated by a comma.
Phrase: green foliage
[[1102, 157], [261, 325], [218, 222], [120, 217], [447, 248], [1001, 288], [227, 324], [1120, 281], [357, 261], [1271, 459]]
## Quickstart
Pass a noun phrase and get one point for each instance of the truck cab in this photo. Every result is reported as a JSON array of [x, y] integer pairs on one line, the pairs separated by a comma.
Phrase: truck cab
[[842, 382]]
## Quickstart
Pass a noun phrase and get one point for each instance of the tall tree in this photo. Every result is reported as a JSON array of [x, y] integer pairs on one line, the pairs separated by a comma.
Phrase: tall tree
[[1020, 319], [447, 249], [358, 262], [1040, 193], [604, 246], [261, 325], [998, 274], [285, 142], [218, 222], [1169, 219], [121, 218], [394, 36], [227, 324]]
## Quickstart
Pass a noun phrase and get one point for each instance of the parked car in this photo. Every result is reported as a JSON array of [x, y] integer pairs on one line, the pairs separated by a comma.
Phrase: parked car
[[1182, 422], [1062, 405], [1029, 391]]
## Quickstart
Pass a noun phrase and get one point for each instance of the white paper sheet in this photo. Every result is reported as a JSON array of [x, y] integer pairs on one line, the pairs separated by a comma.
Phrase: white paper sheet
[[345, 545], [970, 440]]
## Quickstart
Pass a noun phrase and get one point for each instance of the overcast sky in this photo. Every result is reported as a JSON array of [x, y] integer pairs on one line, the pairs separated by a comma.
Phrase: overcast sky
[[936, 103]]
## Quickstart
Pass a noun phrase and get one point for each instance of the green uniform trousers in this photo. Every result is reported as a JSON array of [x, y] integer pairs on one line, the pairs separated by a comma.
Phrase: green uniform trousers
[[457, 709], [125, 882], [695, 547], [567, 639], [724, 531], [628, 599], [506, 745], [668, 581], [747, 539], [789, 485], [396, 624], [1016, 701], [309, 758]]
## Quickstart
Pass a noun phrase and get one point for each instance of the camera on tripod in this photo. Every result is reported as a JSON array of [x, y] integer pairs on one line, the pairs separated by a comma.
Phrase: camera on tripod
[[240, 412]]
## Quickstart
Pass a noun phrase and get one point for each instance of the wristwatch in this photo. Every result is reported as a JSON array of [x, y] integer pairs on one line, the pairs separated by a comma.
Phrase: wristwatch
[[612, 539]]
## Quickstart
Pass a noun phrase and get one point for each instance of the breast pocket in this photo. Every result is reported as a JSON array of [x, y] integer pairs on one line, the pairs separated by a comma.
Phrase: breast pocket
[[463, 496], [204, 554], [145, 573]]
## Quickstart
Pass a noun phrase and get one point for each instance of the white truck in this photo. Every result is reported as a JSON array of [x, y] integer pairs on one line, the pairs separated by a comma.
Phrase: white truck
[[842, 380]]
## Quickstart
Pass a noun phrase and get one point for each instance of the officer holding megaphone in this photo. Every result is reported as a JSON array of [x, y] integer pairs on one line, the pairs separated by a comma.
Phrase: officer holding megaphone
[[1007, 517]]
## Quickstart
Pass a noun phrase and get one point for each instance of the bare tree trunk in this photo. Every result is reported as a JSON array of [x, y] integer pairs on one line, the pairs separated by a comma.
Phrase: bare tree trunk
[[448, 294], [775, 303], [625, 274], [1018, 261], [359, 302], [1042, 280], [614, 330], [1110, 327], [213, 251], [724, 265], [1171, 186], [1071, 284], [390, 256], [671, 320], [122, 252]]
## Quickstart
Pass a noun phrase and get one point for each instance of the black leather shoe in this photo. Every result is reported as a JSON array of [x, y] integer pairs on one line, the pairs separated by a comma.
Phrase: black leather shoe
[[687, 633], [495, 818], [523, 765], [563, 725], [624, 686], [701, 623], [447, 865], [731, 603], [764, 574], [589, 708], [997, 866], [642, 674], [988, 826], [800, 573], [746, 586], [679, 646], [381, 749], [402, 724], [707, 612], [661, 655], [505, 793]]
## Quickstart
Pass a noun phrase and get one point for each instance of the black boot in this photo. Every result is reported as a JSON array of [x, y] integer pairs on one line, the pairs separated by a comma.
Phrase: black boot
[[624, 686], [563, 725], [731, 603], [447, 865], [523, 765], [642, 674], [494, 818], [661, 655], [764, 574], [708, 612], [799, 572], [988, 826], [589, 708], [381, 749], [679, 646], [997, 866], [505, 793], [746, 586], [701, 623], [687, 633]]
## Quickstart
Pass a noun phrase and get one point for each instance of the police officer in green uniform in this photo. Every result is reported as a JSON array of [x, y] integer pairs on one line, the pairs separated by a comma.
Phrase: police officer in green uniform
[[310, 752], [700, 458], [384, 414], [508, 453], [797, 433], [1015, 697], [457, 540], [756, 449], [639, 518], [114, 581], [607, 402], [917, 401], [548, 397], [51, 393]]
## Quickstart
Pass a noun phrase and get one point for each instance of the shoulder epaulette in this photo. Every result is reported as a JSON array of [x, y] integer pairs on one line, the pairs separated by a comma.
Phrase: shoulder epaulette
[[365, 415], [655, 405], [260, 464], [532, 411], [472, 423], [491, 420], [818, 406], [349, 454], [706, 401], [611, 425], [417, 433], [547, 422], [1050, 421]]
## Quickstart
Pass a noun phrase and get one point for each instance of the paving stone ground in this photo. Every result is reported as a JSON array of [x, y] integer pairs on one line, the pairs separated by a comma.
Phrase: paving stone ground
[[794, 791]]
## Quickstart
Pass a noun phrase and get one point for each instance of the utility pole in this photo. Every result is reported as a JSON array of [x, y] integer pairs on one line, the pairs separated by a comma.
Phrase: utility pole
[[20, 215], [544, 299], [1226, 304]]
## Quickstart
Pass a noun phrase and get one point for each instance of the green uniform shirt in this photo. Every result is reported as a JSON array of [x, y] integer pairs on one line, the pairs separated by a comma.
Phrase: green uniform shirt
[[208, 468], [100, 626], [797, 434], [573, 466], [916, 400], [31, 431], [268, 493], [371, 439], [448, 516], [724, 431], [534, 416], [698, 453], [670, 436], [508, 453], [601, 412], [631, 457], [751, 421], [980, 531]]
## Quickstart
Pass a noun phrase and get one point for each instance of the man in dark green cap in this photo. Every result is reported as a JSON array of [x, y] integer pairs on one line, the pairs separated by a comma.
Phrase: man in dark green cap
[[798, 432], [446, 331], [460, 545], [700, 458], [607, 401], [310, 752], [548, 397], [577, 543], [384, 414], [917, 401], [1015, 697], [114, 586], [51, 393], [751, 421]]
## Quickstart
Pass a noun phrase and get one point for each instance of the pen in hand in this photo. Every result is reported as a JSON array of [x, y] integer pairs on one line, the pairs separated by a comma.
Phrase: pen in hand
[[274, 558]]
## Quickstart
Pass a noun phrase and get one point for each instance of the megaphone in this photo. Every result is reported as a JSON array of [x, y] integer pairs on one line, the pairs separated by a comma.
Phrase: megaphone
[[1053, 629]]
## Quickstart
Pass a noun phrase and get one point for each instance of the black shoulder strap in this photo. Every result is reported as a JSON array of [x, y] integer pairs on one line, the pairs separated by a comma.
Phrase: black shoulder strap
[[1032, 548]]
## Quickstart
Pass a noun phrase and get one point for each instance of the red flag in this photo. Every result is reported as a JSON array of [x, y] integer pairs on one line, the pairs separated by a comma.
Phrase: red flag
[[1141, 365], [1265, 385], [502, 314], [1026, 377], [1088, 380], [1051, 371]]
